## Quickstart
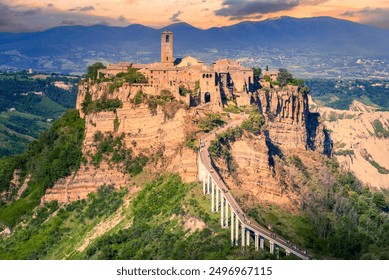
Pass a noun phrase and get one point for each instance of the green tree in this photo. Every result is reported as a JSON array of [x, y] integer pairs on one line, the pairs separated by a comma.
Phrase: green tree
[[254, 123], [93, 70], [257, 72], [379, 200], [284, 77]]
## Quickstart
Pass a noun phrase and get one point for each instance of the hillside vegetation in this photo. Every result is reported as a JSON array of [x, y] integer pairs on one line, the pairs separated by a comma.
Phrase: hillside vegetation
[[28, 105], [54, 155], [339, 94], [152, 224]]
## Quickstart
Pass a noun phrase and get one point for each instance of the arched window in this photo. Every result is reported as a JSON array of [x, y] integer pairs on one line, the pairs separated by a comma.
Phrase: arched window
[[167, 38]]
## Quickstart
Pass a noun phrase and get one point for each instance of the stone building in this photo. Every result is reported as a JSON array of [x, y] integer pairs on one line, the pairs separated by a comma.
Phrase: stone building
[[225, 80]]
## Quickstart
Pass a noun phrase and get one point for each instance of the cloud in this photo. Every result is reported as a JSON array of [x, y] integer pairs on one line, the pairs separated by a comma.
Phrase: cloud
[[312, 2], [239, 8], [82, 9], [377, 16], [32, 12], [50, 5], [7, 19], [175, 16], [87, 8], [25, 19]]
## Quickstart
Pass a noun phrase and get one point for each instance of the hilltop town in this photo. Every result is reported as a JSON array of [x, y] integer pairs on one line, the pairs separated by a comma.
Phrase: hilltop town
[[123, 169], [159, 111], [225, 80]]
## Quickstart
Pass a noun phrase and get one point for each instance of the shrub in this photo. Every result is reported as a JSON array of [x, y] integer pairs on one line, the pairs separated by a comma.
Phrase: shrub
[[254, 123], [139, 98], [210, 122]]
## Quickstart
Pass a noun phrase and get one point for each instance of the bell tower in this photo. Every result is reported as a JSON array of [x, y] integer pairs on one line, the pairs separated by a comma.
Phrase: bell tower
[[167, 47]]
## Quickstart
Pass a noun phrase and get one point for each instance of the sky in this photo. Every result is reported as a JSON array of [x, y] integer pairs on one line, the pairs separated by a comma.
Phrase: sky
[[38, 15]]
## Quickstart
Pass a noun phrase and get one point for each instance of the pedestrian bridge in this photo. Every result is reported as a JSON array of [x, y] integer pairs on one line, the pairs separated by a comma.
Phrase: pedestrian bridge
[[232, 216]]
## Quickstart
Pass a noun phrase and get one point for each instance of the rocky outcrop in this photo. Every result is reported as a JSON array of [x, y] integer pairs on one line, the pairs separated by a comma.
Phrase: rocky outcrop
[[152, 134], [359, 141], [87, 179], [289, 122], [255, 173]]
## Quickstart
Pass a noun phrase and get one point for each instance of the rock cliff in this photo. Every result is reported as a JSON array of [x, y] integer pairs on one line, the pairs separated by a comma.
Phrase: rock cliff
[[360, 137], [150, 134], [290, 129], [290, 123]]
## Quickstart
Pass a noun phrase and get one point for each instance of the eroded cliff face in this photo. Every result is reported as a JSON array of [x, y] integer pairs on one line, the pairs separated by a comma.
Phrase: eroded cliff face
[[151, 134], [290, 124], [160, 136], [360, 137], [290, 130]]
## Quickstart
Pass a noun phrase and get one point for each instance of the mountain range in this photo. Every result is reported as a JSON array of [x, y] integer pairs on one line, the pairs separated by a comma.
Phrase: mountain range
[[72, 48]]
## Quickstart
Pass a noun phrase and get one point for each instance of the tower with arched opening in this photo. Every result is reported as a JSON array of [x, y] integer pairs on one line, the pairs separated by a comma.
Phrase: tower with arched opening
[[167, 47]]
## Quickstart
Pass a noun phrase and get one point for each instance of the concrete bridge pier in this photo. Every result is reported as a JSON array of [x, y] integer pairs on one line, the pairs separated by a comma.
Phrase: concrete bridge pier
[[287, 252], [256, 241], [209, 183], [236, 230], [232, 228], [217, 199], [271, 247], [227, 209], [262, 243], [222, 211], [242, 234], [248, 238], [212, 196]]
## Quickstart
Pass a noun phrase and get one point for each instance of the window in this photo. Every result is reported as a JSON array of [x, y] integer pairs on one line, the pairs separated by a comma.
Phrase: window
[[167, 59], [167, 39]]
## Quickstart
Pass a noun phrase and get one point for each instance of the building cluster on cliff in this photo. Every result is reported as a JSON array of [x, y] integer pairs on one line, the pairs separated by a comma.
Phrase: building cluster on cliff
[[225, 80]]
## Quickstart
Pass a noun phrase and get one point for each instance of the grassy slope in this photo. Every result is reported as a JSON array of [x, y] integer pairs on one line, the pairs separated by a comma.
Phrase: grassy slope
[[150, 227]]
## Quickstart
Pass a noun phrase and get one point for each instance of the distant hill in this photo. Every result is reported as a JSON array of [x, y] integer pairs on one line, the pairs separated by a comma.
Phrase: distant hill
[[70, 48], [28, 105]]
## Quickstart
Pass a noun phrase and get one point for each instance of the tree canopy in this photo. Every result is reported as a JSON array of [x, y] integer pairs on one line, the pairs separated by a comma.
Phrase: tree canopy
[[93, 70], [284, 77]]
